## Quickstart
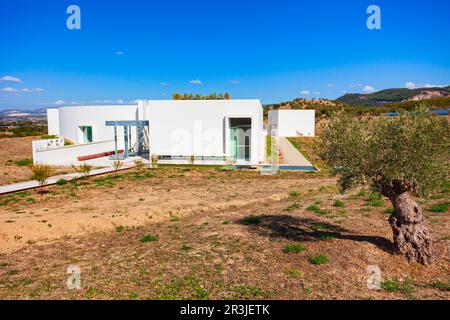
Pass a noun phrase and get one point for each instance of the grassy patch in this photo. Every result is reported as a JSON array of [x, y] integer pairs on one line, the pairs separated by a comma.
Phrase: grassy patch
[[149, 238], [440, 207], [393, 285], [294, 273], [24, 162], [338, 204], [250, 292], [293, 248], [375, 200], [251, 219], [187, 287], [390, 210], [226, 222], [318, 259], [120, 229], [442, 286], [293, 207], [294, 194], [315, 208], [61, 182]]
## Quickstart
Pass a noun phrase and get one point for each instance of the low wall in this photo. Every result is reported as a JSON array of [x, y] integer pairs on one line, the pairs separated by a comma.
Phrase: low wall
[[68, 155]]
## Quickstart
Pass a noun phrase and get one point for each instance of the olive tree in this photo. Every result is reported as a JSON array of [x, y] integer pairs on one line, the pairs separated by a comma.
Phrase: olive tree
[[399, 157]]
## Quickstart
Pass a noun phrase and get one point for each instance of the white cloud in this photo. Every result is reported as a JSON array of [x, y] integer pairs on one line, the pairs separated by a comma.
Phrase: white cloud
[[59, 102], [163, 94], [412, 85], [235, 81], [25, 90], [38, 90], [355, 85], [10, 78], [195, 81], [9, 89], [316, 93], [329, 85], [120, 53], [164, 84], [305, 92], [369, 89]]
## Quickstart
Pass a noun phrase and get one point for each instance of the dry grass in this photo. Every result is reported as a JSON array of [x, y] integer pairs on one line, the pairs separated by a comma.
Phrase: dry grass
[[99, 225], [18, 149]]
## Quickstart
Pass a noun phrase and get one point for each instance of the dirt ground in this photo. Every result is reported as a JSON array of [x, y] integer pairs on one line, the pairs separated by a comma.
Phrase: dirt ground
[[181, 233], [18, 149]]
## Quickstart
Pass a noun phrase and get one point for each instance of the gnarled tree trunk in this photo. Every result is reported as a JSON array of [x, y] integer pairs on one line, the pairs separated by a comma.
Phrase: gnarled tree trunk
[[411, 237]]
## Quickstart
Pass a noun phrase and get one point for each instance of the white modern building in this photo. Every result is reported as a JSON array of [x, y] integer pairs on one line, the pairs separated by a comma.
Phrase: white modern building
[[177, 131], [293, 123]]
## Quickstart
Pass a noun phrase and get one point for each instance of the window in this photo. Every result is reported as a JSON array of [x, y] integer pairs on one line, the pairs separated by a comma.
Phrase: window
[[86, 134]]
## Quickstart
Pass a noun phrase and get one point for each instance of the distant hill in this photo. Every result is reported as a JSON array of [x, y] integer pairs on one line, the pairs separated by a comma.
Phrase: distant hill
[[388, 96]]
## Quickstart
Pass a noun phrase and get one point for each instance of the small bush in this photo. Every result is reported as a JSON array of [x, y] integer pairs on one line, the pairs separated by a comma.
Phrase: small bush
[[440, 207], [313, 208], [252, 219], [61, 182], [120, 229], [339, 204], [318, 259], [390, 210], [294, 194], [149, 238], [139, 165], [40, 173], [83, 169], [293, 248], [226, 222], [117, 164]]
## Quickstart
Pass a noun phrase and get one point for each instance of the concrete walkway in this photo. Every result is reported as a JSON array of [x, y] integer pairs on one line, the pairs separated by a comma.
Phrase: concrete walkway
[[292, 156], [50, 181]]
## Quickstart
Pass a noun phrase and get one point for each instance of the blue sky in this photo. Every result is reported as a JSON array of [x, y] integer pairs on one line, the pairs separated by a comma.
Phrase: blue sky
[[270, 50]]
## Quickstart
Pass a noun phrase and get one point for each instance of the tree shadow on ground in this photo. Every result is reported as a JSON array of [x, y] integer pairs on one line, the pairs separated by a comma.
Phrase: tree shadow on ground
[[309, 229]]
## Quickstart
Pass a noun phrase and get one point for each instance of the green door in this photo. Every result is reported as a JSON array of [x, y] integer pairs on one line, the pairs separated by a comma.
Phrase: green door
[[87, 134], [234, 133]]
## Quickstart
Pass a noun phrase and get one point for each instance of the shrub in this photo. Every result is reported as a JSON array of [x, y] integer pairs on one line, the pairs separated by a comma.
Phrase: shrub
[[318, 259], [154, 160], [295, 273], [40, 173], [83, 169], [139, 165], [117, 164], [293, 248]]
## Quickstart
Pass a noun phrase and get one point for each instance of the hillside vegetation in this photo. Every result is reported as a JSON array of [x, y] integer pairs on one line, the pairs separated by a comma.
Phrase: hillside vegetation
[[387, 96]]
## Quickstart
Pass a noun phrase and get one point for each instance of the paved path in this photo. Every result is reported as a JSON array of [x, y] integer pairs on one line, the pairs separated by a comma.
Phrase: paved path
[[292, 156], [69, 176]]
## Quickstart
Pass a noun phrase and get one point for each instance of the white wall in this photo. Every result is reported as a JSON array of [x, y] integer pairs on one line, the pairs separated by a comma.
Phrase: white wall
[[68, 155], [292, 123], [178, 128], [53, 121], [200, 127], [71, 118]]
